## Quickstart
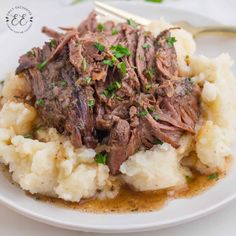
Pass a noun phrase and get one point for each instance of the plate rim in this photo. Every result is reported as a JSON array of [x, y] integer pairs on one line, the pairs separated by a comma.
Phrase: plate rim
[[121, 228]]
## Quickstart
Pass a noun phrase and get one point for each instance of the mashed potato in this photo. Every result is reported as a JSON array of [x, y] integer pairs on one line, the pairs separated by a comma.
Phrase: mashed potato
[[154, 169], [218, 103], [52, 166], [184, 46]]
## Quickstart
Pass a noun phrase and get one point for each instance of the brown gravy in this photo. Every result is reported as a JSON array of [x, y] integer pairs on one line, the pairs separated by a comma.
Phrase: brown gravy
[[128, 200]]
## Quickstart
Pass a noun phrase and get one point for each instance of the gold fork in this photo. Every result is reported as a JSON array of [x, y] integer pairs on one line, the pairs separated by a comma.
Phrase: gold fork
[[107, 10]]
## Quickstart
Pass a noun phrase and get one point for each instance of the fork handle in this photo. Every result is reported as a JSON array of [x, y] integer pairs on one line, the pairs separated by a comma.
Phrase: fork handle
[[217, 29]]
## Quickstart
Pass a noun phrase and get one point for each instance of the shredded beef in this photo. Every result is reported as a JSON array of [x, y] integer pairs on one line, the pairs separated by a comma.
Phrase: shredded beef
[[116, 102]]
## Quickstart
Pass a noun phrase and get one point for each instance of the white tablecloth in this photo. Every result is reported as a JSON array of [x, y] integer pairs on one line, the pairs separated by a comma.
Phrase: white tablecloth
[[217, 224]]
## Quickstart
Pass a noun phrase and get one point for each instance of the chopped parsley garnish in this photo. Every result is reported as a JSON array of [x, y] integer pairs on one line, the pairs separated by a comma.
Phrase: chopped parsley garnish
[[101, 158], [31, 53], [213, 176], [119, 51], [114, 85], [151, 109], [189, 178], [148, 86], [156, 117], [132, 23], [39, 128], [170, 41], [75, 2], [53, 43], [146, 46], [158, 141], [62, 83], [119, 98], [84, 64], [156, 1], [28, 136], [42, 65], [105, 93], [122, 68], [190, 80], [101, 27], [40, 102], [143, 113], [111, 89], [114, 31], [91, 103], [108, 62], [88, 79], [150, 72], [141, 58], [99, 47]]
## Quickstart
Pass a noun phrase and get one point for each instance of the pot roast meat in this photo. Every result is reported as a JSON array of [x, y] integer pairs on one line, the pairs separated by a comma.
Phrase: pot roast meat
[[86, 58], [88, 25], [59, 101], [166, 58], [145, 60], [118, 142], [51, 33], [100, 106], [182, 109]]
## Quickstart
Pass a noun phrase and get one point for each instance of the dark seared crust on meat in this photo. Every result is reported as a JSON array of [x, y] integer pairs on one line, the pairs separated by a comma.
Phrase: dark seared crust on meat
[[151, 103]]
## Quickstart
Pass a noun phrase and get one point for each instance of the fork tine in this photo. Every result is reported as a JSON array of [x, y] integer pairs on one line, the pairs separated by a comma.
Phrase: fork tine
[[121, 14], [105, 13]]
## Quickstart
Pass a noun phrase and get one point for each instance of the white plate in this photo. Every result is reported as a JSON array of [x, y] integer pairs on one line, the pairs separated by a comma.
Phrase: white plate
[[177, 211]]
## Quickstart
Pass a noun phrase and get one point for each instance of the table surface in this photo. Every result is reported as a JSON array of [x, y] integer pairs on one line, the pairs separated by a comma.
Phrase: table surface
[[220, 223]]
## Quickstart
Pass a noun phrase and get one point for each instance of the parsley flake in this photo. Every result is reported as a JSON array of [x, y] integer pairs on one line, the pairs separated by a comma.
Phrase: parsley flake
[[122, 68], [114, 31], [146, 46], [151, 109], [99, 47], [143, 113], [101, 27], [40, 102], [213, 176], [155, 1], [31, 53], [111, 89], [84, 64], [53, 43], [42, 65], [91, 103], [28, 136], [170, 41], [62, 83], [156, 117], [150, 72], [108, 62], [119, 51], [119, 98], [148, 86], [101, 158], [189, 178], [158, 141], [88, 79], [132, 23]]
